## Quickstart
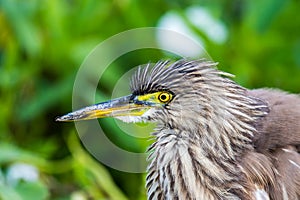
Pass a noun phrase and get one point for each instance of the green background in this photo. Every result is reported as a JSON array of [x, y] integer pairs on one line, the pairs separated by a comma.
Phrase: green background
[[43, 43]]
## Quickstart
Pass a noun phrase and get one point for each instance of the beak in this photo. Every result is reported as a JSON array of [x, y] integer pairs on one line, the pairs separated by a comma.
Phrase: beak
[[124, 106]]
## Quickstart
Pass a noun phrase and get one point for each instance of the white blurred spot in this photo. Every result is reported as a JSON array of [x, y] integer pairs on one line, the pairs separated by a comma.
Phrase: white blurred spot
[[174, 22], [201, 19], [78, 195], [21, 171]]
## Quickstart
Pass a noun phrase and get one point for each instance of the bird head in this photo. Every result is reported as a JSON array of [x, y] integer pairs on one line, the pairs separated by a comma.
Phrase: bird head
[[182, 94]]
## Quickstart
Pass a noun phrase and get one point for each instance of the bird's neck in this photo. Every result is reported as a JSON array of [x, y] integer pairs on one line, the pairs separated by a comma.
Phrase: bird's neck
[[193, 168], [202, 163], [200, 160]]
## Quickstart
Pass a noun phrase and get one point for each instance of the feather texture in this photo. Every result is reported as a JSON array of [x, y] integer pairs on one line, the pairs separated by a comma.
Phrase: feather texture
[[218, 140]]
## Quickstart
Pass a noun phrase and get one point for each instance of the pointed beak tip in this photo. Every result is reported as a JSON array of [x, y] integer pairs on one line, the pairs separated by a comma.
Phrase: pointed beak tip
[[58, 119], [63, 118]]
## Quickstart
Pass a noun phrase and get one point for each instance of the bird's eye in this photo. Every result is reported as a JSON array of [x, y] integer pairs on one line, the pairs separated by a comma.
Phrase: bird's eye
[[164, 97]]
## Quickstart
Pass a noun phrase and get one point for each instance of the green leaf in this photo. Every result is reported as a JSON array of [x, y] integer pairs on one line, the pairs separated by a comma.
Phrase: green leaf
[[32, 190], [262, 13], [8, 193]]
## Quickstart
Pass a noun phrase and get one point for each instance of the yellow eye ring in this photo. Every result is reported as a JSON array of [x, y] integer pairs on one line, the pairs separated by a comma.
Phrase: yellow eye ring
[[164, 97]]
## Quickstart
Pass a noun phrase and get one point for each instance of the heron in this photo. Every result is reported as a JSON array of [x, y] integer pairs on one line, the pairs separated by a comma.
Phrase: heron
[[214, 138]]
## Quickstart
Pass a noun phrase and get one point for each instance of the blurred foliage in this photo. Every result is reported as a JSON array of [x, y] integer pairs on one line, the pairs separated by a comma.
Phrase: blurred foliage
[[43, 43]]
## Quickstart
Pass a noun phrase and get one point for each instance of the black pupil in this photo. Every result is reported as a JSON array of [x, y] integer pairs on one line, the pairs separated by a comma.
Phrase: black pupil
[[163, 97]]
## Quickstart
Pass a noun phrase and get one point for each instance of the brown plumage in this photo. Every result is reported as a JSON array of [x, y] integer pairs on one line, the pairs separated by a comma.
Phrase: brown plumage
[[214, 139], [277, 144]]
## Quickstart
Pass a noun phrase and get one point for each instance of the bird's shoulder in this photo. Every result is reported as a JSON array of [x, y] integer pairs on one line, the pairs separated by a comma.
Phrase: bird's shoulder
[[281, 126], [277, 144]]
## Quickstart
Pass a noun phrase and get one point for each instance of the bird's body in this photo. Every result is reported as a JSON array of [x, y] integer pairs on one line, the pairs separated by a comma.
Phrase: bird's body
[[266, 168], [215, 139]]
